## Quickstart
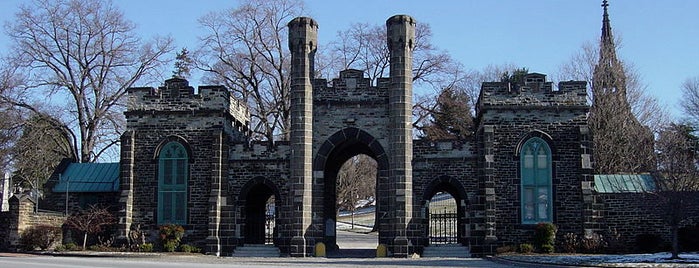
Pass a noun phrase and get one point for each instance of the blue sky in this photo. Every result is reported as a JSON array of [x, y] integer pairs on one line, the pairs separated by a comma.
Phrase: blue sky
[[661, 38]]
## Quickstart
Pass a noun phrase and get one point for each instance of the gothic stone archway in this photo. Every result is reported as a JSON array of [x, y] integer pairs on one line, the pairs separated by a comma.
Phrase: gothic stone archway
[[462, 225], [259, 218], [340, 147]]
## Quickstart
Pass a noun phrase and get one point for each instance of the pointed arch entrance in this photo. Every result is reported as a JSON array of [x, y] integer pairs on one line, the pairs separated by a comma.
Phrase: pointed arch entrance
[[332, 154], [446, 207], [259, 198]]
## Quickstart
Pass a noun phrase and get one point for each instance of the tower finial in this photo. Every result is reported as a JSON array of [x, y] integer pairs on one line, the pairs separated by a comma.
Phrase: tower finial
[[606, 26]]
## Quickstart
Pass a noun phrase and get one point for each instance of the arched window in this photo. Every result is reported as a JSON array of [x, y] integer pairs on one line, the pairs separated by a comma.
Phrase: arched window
[[536, 194], [173, 174]]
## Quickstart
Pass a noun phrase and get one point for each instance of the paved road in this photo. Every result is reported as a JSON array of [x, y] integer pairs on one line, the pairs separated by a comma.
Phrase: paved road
[[210, 261], [353, 246]]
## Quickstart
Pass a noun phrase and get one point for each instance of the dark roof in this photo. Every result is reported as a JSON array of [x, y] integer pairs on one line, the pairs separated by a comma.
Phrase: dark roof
[[624, 183], [89, 178]]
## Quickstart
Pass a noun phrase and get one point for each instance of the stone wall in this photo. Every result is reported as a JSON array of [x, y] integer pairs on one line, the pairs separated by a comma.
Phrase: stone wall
[[204, 124], [19, 217], [450, 166], [507, 118], [629, 215]]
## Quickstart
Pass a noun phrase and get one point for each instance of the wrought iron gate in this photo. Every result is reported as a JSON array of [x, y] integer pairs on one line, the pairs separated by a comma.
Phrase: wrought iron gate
[[443, 228]]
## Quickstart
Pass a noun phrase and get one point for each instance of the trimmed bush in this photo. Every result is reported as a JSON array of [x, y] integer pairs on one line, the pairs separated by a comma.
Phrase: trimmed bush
[[545, 236], [146, 247], [189, 249], [40, 236], [171, 236], [505, 249], [526, 248]]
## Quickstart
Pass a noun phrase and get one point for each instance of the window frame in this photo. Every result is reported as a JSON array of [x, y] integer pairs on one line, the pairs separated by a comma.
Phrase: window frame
[[536, 181], [173, 156]]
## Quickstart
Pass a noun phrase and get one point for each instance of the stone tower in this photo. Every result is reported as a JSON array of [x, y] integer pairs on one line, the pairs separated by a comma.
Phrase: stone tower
[[303, 40], [401, 35], [617, 131]]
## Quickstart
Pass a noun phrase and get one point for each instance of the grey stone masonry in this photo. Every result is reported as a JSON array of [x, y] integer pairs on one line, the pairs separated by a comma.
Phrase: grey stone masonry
[[401, 35], [303, 39]]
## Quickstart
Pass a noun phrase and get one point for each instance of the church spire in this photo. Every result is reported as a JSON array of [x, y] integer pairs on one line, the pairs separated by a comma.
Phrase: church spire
[[606, 26]]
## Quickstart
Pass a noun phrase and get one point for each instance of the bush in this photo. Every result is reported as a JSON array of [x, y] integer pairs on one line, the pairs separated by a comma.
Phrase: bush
[[40, 236], [189, 249], [526, 248], [545, 236], [547, 248], [592, 243], [170, 236], [146, 247], [648, 243], [570, 243], [505, 249], [71, 246]]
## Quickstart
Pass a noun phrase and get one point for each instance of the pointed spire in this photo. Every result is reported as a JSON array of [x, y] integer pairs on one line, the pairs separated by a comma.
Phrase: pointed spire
[[606, 26]]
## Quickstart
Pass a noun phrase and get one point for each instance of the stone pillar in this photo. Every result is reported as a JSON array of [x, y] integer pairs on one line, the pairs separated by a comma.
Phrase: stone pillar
[[213, 241], [125, 213], [303, 40], [489, 185], [401, 40]]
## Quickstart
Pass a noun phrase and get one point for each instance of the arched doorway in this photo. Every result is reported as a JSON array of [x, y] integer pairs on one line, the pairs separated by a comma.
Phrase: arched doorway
[[260, 213], [341, 147], [447, 220]]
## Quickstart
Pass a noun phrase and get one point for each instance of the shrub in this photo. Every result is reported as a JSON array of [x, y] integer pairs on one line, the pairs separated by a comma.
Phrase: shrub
[[592, 243], [146, 247], [171, 236], [547, 248], [570, 243], [505, 249], [71, 246], [545, 236], [40, 236], [648, 242], [189, 249], [59, 248], [526, 248]]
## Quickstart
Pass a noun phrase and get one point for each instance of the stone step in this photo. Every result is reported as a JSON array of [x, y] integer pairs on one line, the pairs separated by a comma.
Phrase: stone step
[[446, 251], [264, 251]]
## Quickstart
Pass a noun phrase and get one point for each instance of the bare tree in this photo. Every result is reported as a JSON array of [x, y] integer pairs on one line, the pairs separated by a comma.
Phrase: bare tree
[[677, 178], [244, 49], [621, 141], [356, 180], [81, 56], [645, 107], [90, 221], [690, 99]]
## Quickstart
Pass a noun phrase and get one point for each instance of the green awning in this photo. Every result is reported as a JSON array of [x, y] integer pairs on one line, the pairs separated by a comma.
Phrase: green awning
[[624, 183], [89, 178]]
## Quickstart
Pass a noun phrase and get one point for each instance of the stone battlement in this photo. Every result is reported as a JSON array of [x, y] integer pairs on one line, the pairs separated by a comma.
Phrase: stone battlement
[[350, 87], [536, 91], [177, 96], [258, 150]]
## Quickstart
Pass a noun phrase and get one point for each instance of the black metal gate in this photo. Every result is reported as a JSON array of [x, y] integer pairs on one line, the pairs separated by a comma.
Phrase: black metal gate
[[269, 229], [443, 228]]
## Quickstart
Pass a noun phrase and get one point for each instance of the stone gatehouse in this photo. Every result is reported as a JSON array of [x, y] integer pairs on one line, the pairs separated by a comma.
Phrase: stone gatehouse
[[186, 159]]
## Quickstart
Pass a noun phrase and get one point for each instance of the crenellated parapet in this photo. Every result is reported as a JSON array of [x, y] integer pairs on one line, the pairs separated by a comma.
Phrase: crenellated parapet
[[535, 92], [259, 150], [350, 88], [177, 97]]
